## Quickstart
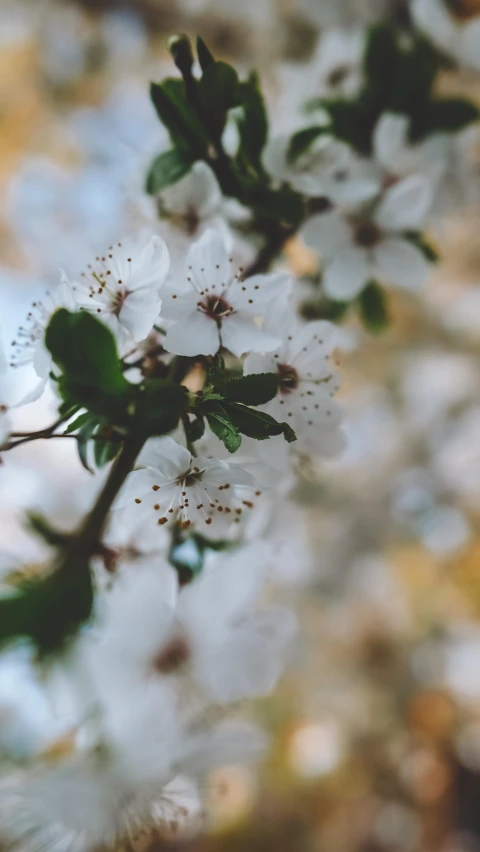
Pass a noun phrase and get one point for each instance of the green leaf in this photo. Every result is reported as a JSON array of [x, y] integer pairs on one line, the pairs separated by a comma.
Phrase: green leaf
[[381, 55], [158, 407], [166, 169], [253, 124], [83, 438], [448, 115], [373, 308], [205, 58], [86, 352], [79, 421], [219, 87], [352, 122], [49, 610], [104, 451], [284, 205], [42, 527], [223, 428], [257, 424], [255, 389], [216, 371], [179, 118], [195, 429], [302, 140], [423, 245]]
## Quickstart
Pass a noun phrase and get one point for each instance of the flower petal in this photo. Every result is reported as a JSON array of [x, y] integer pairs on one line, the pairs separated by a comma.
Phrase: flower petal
[[390, 138], [208, 264], [197, 334], [326, 233], [405, 205], [401, 263], [347, 274], [239, 334]]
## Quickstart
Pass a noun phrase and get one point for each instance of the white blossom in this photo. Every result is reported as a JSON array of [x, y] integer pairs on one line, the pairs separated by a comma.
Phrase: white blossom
[[193, 202], [4, 395], [122, 287], [456, 34], [215, 307], [28, 347], [372, 245], [328, 168], [337, 63], [174, 487], [307, 381]]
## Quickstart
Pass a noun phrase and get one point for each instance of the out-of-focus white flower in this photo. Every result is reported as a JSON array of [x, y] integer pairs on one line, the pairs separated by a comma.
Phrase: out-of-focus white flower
[[175, 487], [364, 247], [211, 633], [398, 158], [28, 347], [306, 381], [4, 415], [457, 33], [215, 307], [192, 203], [337, 63], [328, 168], [123, 287]]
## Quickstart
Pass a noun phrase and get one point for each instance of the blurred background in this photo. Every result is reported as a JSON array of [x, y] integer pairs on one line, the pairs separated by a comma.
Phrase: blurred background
[[376, 728]]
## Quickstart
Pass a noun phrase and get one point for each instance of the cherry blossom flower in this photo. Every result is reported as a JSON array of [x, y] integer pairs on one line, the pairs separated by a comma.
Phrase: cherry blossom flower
[[337, 64], [123, 287], [364, 246], [453, 27], [306, 382], [174, 487], [215, 307], [328, 168], [193, 202]]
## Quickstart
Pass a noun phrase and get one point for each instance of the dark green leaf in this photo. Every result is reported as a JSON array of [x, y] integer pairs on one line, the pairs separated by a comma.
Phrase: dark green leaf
[[166, 169], [253, 124], [181, 121], [223, 428], [381, 55], [49, 610], [284, 205], [373, 308], [83, 438], [159, 407], [85, 350], [194, 429], [448, 115], [205, 58], [421, 243], [104, 451], [257, 424], [219, 87], [255, 389], [302, 140], [216, 371], [42, 527], [79, 421]]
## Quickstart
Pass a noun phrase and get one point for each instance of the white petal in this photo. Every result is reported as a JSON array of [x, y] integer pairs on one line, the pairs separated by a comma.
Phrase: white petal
[[152, 267], [390, 138], [326, 233], [405, 205], [166, 456], [138, 485], [401, 263], [311, 346], [197, 334], [197, 190], [239, 334], [139, 313], [208, 263], [470, 44], [347, 274], [256, 363], [255, 293], [274, 156]]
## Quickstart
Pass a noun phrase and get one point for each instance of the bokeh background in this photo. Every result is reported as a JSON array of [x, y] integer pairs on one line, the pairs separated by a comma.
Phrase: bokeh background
[[375, 730]]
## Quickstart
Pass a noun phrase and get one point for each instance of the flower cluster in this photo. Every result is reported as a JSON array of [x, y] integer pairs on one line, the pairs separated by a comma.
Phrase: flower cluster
[[186, 361]]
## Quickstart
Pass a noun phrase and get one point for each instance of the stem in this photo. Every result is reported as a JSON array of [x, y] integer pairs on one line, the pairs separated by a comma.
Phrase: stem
[[87, 539], [270, 250]]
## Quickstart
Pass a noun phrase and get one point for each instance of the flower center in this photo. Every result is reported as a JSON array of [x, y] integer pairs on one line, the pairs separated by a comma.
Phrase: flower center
[[338, 75], [174, 655], [287, 378], [191, 220], [367, 234], [215, 307], [190, 477], [118, 301], [464, 10]]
